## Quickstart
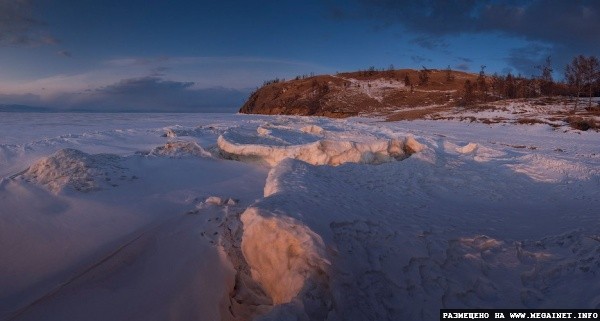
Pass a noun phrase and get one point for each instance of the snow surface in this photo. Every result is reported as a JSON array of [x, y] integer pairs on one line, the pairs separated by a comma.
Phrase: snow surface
[[238, 217]]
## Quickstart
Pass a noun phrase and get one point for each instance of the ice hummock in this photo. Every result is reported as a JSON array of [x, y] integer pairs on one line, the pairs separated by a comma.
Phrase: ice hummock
[[313, 145], [74, 169]]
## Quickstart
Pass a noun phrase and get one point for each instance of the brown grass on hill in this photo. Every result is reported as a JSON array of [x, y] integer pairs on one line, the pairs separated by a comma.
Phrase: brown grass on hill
[[412, 114], [530, 121], [582, 123], [350, 94]]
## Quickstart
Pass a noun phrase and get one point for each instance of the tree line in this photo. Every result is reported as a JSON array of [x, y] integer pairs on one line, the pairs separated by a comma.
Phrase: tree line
[[581, 77]]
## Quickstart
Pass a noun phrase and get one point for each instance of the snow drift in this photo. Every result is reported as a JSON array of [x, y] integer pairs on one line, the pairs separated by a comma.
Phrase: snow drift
[[74, 169]]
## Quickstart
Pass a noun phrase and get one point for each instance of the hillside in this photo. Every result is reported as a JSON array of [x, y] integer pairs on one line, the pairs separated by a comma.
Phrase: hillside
[[353, 93]]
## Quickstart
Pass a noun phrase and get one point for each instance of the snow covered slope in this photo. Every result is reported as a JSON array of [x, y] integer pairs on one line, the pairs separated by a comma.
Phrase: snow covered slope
[[238, 217]]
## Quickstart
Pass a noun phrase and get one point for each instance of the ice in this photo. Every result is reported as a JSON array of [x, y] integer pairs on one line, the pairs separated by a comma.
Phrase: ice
[[273, 145], [180, 149], [469, 148], [282, 253], [245, 217]]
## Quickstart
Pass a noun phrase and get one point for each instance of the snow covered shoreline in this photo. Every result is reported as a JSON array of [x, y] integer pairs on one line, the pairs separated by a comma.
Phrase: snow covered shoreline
[[235, 217]]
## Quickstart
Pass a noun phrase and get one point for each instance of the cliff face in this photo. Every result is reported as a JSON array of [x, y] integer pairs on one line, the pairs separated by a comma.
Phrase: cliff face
[[351, 94]]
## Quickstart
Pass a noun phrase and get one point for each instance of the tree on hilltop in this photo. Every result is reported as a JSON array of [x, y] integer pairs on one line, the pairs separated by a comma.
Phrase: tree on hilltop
[[424, 76], [468, 93], [546, 83], [449, 75], [481, 83], [510, 87], [591, 76]]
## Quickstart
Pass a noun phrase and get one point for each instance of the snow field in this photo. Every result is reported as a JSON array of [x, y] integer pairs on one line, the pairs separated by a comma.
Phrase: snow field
[[275, 218]]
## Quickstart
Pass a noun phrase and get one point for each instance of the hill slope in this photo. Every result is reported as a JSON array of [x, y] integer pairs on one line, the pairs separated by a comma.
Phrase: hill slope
[[349, 94]]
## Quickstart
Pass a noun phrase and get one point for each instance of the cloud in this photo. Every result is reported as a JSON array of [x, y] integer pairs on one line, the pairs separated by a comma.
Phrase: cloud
[[525, 59], [18, 27], [434, 18], [419, 59], [147, 94], [567, 27], [555, 21], [207, 60], [548, 20], [163, 83], [430, 42]]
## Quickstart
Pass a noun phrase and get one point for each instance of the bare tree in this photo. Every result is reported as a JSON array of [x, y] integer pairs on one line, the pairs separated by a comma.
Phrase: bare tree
[[468, 95], [424, 76], [481, 83], [574, 75], [371, 70], [498, 84], [407, 81], [510, 87], [449, 75], [591, 76], [546, 83]]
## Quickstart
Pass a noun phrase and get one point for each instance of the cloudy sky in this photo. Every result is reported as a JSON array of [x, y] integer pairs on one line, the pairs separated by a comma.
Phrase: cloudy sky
[[195, 55]]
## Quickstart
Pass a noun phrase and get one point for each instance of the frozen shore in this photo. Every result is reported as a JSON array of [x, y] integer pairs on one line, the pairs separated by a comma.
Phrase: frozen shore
[[238, 217]]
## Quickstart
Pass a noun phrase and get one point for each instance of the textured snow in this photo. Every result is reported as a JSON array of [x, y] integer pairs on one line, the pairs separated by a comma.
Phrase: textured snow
[[237, 217], [77, 170], [274, 144], [180, 149]]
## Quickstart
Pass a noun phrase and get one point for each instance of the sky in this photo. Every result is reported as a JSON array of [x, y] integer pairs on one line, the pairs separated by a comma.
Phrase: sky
[[207, 56]]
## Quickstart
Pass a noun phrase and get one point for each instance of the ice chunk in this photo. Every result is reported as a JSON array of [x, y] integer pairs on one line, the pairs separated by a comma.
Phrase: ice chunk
[[283, 253], [312, 129], [178, 149], [467, 149]]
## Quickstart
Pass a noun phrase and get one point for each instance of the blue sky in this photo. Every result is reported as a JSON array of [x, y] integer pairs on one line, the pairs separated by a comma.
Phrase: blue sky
[[208, 55]]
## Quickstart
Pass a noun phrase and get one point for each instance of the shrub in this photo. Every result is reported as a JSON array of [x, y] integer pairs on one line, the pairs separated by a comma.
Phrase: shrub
[[581, 123]]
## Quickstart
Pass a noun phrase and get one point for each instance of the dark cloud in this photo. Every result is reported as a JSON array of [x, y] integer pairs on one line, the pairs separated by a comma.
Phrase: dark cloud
[[554, 21], [429, 17], [525, 59], [568, 27], [19, 27], [547, 20], [464, 59], [146, 94], [156, 94]]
